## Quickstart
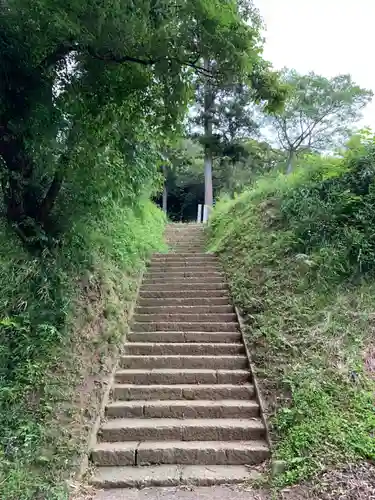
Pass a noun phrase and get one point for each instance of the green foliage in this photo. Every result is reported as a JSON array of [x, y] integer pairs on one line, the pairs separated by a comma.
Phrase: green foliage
[[318, 112], [300, 253], [87, 89], [41, 309]]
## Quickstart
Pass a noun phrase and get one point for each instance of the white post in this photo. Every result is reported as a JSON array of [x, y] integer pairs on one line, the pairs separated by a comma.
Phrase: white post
[[199, 216], [206, 209]]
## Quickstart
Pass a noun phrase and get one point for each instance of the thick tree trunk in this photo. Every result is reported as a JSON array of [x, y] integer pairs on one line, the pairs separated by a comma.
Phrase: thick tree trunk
[[289, 167], [16, 173], [165, 191], [208, 102]]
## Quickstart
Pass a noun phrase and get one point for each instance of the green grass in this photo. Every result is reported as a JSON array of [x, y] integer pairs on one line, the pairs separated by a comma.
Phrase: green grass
[[62, 316], [309, 310]]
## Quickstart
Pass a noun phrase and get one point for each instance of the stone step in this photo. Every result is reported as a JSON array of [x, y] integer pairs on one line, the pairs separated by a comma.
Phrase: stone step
[[185, 302], [184, 294], [190, 316], [181, 275], [191, 326], [187, 244], [179, 264], [171, 475], [183, 280], [160, 429], [185, 256], [183, 409], [181, 376], [183, 349], [178, 361], [187, 247], [196, 337], [190, 392], [187, 285], [167, 268], [195, 309], [180, 452]]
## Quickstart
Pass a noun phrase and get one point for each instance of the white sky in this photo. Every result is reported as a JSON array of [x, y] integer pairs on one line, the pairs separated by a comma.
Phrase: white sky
[[328, 37]]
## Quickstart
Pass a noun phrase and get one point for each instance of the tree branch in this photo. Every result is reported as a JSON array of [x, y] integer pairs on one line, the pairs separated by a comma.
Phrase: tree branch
[[57, 55]]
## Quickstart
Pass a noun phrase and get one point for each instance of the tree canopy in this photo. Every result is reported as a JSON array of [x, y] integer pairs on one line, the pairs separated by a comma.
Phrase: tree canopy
[[319, 112], [90, 90]]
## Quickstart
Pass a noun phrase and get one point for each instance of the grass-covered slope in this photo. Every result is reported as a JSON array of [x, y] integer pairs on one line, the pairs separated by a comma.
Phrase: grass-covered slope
[[300, 254], [62, 315]]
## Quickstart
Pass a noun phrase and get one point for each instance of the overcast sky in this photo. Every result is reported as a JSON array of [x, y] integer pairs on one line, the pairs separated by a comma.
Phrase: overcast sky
[[328, 37]]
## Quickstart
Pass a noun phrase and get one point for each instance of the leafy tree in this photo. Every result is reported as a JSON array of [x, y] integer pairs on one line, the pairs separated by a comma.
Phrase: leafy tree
[[256, 80], [89, 89], [318, 112]]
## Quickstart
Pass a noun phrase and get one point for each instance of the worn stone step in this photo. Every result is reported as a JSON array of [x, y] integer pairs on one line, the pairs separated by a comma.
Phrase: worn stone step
[[184, 280], [182, 275], [191, 326], [171, 475], [190, 316], [181, 376], [183, 409], [183, 349], [185, 256], [160, 429], [190, 392], [177, 361], [194, 309], [168, 269], [186, 245], [185, 301], [187, 285], [196, 337], [184, 294], [180, 452], [179, 264]]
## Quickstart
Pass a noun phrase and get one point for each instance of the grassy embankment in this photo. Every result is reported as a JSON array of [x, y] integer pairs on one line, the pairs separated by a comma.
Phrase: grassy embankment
[[300, 254], [62, 316]]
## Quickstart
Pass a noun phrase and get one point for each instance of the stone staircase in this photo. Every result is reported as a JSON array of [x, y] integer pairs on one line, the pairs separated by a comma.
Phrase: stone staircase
[[183, 408]]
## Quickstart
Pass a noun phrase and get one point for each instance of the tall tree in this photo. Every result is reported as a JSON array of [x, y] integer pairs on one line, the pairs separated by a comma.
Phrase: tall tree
[[74, 74], [253, 78], [319, 112]]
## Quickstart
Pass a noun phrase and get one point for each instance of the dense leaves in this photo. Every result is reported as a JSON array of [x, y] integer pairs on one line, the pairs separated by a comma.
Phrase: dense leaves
[[319, 112], [89, 88]]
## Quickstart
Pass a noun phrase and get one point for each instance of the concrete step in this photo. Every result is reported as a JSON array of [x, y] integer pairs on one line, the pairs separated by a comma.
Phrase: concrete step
[[183, 409], [188, 316], [190, 392], [178, 361], [196, 337], [180, 452], [160, 429], [181, 275], [186, 245], [181, 376], [190, 293], [185, 302], [187, 285], [183, 349], [183, 280], [191, 326], [167, 268], [184, 257], [194, 309], [171, 475]]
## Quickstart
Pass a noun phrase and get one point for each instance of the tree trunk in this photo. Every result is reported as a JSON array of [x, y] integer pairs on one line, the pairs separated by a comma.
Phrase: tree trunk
[[208, 102], [165, 191], [16, 173], [289, 167]]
